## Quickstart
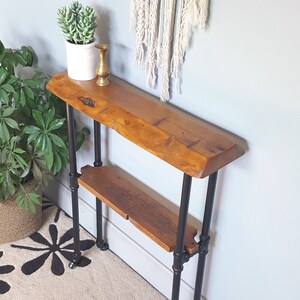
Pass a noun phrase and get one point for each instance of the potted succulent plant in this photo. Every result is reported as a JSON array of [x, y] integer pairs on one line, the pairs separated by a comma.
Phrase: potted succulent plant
[[33, 141], [78, 24]]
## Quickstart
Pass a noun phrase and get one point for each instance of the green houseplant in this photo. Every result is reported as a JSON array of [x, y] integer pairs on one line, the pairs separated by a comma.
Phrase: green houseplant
[[33, 135], [78, 25]]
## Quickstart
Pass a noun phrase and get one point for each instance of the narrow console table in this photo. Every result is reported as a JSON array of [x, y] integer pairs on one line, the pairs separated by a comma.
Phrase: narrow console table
[[193, 146]]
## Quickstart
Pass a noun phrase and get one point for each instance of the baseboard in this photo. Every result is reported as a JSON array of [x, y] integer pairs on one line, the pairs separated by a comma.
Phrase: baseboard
[[128, 249]]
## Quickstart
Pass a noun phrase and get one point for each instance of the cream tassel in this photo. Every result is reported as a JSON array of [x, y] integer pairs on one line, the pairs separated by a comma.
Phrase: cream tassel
[[133, 15], [161, 23], [146, 22], [203, 14], [192, 13], [178, 51], [140, 31], [150, 63], [169, 17]]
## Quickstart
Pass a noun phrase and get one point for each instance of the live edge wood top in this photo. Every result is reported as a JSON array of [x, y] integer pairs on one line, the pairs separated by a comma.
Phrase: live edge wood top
[[187, 143]]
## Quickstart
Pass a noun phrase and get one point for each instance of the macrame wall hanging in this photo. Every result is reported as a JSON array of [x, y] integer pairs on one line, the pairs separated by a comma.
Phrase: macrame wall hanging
[[163, 31]]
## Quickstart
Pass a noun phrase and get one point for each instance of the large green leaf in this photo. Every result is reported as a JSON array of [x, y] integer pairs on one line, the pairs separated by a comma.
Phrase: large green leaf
[[31, 129], [2, 48], [45, 144], [19, 151], [38, 118], [28, 92], [8, 111], [37, 172], [57, 163], [11, 123], [27, 54], [3, 155], [33, 138], [49, 116], [33, 83], [58, 141], [27, 201], [7, 187], [8, 88], [22, 163], [56, 124], [22, 98], [26, 170], [21, 60], [49, 160], [3, 75], [4, 133], [4, 97]]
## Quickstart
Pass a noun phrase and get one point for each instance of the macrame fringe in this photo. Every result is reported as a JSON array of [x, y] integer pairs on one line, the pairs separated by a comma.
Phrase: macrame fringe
[[150, 62], [155, 23], [133, 15], [169, 15], [140, 31], [160, 31]]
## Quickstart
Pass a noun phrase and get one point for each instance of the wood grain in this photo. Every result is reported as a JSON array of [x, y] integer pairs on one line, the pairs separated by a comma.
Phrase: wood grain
[[151, 217], [187, 143]]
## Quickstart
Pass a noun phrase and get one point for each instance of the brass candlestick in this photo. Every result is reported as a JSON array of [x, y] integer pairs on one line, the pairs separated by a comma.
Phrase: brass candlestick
[[102, 69]]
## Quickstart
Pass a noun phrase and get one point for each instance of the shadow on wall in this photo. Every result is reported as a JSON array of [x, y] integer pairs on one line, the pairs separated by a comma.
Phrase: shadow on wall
[[121, 57], [46, 59], [103, 22], [44, 51], [118, 54]]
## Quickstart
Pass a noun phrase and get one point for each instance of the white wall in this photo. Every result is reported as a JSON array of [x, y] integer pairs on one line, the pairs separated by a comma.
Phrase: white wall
[[241, 74]]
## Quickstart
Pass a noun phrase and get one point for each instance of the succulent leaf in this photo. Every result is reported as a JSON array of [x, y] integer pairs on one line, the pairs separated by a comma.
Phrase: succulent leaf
[[77, 23]]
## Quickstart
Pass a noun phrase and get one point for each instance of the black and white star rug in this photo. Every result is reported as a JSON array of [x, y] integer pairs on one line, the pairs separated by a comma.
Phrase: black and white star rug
[[37, 267]]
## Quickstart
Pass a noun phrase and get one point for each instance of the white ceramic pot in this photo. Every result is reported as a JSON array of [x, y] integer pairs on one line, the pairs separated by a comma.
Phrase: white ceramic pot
[[81, 61]]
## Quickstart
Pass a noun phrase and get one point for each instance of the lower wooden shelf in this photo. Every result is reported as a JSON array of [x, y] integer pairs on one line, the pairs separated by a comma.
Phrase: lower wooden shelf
[[151, 217]]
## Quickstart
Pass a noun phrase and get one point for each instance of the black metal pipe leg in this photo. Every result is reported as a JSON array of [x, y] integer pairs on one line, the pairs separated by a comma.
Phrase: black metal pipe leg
[[75, 211], [98, 163], [100, 241], [73, 186], [97, 144], [204, 237], [180, 257]]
